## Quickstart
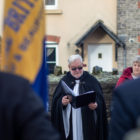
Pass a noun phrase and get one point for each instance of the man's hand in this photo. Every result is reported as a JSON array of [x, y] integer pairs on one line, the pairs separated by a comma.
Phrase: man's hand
[[65, 100], [93, 106]]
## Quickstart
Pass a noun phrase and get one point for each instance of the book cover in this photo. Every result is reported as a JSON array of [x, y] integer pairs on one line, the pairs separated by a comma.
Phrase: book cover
[[80, 100]]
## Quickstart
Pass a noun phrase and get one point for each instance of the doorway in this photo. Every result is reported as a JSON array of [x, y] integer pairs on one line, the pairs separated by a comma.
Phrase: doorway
[[100, 55]]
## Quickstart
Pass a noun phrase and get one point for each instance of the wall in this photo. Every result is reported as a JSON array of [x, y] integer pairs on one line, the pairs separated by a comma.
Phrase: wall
[[1, 15], [75, 17], [128, 26]]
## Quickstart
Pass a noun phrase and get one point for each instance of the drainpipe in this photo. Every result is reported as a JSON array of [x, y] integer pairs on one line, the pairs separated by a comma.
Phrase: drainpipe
[[124, 53], [82, 52]]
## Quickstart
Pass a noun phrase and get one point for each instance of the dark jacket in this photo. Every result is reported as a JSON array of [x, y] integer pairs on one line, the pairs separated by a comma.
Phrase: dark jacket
[[91, 130], [126, 109], [22, 115], [126, 75]]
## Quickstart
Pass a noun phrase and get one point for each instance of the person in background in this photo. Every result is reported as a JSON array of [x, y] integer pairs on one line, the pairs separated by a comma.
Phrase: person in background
[[22, 114], [125, 114], [85, 123], [130, 72]]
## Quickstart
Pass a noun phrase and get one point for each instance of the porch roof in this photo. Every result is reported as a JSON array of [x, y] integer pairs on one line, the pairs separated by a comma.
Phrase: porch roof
[[97, 25]]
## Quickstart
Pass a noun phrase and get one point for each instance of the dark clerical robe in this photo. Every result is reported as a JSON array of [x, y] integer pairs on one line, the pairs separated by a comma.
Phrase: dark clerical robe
[[94, 122]]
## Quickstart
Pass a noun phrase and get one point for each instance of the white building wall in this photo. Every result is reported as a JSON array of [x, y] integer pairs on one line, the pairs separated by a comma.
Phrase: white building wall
[[1, 15], [76, 17]]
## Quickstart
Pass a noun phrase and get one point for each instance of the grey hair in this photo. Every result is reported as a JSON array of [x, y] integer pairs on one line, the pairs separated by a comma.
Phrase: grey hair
[[136, 59], [74, 57]]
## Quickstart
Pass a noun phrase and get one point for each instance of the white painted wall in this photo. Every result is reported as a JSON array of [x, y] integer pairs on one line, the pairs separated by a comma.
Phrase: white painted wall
[[75, 20], [1, 15]]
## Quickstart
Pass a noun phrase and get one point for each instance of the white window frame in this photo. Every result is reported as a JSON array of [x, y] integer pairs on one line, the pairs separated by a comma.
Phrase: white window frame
[[51, 6]]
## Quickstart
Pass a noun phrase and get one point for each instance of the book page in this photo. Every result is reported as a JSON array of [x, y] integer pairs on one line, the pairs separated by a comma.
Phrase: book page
[[67, 89]]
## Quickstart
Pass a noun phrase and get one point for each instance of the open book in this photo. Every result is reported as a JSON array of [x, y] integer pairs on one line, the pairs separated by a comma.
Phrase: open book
[[80, 100]]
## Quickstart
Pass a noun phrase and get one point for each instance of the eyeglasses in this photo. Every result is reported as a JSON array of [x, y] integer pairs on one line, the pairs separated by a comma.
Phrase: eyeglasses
[[75, 68]]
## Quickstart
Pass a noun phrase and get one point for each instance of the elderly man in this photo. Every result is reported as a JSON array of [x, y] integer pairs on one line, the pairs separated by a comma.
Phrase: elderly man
[[84, 123]]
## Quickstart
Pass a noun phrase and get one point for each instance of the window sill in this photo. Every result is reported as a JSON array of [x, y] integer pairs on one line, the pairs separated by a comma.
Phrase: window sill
[[53, 12]]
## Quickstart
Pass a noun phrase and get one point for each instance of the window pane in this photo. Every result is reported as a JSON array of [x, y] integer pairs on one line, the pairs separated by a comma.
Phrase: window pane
[[51, 68], [50, 2], [51, 59], [51, 54]]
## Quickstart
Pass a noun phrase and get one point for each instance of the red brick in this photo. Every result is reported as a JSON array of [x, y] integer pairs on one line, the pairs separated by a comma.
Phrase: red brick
[[138, 4], [53, 38], [138, 51], [138, 38]]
